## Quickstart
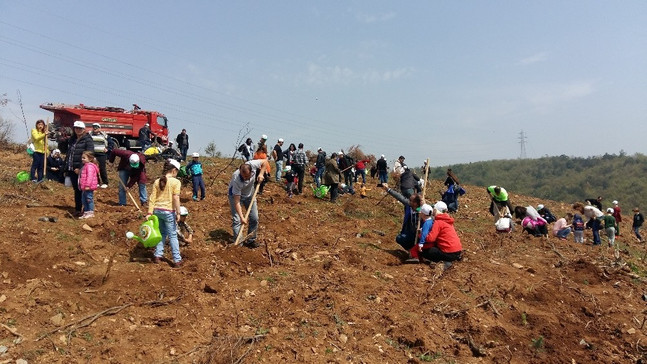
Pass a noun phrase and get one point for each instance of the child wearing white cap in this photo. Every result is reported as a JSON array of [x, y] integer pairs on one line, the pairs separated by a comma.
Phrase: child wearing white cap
[[617, 213], [610, 226], [194, 168], [444, 243]]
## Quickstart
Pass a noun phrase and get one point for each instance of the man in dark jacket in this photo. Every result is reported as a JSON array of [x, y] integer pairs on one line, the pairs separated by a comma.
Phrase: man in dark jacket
[[382, 170], [182, 141], [131, 169], [408, 182], [346, 166], [597, 202], [145, 137], [321, 166], [79, 142]]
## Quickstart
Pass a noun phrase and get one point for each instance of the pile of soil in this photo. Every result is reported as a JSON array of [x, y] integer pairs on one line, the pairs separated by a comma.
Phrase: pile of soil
[[327, 284]]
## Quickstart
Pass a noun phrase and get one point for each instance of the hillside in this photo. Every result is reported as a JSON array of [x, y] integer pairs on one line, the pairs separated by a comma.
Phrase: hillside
[[327, 285], [562, 178]]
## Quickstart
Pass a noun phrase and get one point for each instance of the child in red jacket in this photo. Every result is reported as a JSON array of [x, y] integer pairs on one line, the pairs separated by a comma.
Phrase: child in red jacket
[[88, 182], [445, 244]]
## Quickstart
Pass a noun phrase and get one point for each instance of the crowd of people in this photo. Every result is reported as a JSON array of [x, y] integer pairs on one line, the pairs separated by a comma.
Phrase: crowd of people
[[427, 231]]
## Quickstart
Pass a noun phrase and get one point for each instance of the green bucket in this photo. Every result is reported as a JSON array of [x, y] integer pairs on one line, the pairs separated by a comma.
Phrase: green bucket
[[22, 176]]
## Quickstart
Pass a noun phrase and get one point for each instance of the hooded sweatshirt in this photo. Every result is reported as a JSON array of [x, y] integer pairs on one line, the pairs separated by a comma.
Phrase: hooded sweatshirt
[[443, 235]]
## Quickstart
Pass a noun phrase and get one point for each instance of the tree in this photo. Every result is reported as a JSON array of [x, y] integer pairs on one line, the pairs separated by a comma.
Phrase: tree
[[211, 150]]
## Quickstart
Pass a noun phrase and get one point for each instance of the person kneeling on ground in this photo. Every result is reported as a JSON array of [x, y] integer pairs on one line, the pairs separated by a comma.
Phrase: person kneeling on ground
[[407, 236], [184, 228], [445, 244], [561, 228]]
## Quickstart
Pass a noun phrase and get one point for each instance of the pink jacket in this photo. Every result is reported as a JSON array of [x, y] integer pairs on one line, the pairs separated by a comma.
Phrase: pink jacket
[[89, 177]]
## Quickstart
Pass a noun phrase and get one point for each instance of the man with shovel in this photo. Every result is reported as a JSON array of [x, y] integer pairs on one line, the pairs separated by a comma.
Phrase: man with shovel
[[241, 192], [131, 169]]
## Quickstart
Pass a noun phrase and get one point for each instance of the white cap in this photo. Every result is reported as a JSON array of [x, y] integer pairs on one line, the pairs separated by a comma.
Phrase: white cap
[[183, 211], [96, 124], [287, 169], [134, 159], [319, 149], [280, 140], [340, 152], [56, 151], [382, 156], [79, 124], [174, 163], [147, 124], [615, 202], [540, 206], [425, 209], [610, 210], [196, 155], [264, 137], [440, 206]]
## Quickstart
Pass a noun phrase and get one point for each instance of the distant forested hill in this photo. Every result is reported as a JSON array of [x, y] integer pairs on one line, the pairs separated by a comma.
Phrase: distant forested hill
[[562, 178]]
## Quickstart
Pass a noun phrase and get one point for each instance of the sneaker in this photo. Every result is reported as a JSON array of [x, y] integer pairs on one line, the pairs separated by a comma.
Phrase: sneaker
[[87, 215], [195, 198], [157, 260], [178, 264], [412, 261], [104, 186], [447, 265]]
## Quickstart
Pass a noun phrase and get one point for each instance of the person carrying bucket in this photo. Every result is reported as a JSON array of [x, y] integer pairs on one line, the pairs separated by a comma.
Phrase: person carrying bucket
[[165, 204]]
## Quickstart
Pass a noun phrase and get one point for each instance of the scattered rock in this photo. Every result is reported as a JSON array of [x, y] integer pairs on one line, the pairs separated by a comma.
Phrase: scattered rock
[[63, 339], [294, 256], [86, 227], [3, 298], [343, 338], [3, 349], [79, 263], [631, 331], [57, 319], [172, 352], [209, 288], [517, 265], [21, 361], [264, 283]]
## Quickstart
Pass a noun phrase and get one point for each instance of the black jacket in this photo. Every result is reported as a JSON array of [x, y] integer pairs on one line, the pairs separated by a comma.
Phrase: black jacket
[[408, 180], [75, 150]]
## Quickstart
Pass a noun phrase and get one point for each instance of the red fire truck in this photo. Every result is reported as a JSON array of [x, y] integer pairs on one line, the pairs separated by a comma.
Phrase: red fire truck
[[121, 125]]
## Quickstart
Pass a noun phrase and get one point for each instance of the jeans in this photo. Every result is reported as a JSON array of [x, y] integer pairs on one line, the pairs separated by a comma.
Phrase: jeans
[[168, 229], [143, 194], [319, 174], [279, 170], [37, 166], [252, 220], [198, 182], [637, 232], [103, 173], [183, 151], [88, 200], [300, 169], [563, 233], [360, 172], [595, 227], [406, 239], [579, 236], [384, 176]]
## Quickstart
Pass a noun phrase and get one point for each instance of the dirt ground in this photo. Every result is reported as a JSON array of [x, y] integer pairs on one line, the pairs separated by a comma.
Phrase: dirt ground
[[327, 285]]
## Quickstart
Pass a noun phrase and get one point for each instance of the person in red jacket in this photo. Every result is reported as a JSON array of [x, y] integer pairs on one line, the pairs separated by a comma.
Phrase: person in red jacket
[[442, 243], [360, 169], [617, 213]]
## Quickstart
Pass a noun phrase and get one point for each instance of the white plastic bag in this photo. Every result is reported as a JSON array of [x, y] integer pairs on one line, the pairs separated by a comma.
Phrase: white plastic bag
[[68, 181]]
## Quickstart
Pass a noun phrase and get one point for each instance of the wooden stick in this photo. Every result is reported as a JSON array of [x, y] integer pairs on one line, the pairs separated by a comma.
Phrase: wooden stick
[[249, 209], [45, 148], [129, 194], [424, 188]]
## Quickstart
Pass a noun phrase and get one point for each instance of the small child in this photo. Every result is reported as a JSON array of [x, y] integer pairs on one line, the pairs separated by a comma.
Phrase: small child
[[362, 190], [291, 179], [88, 182], [638, 222], [610, 226], [194, 168], [182, 225], [578, 228], [427, 222]]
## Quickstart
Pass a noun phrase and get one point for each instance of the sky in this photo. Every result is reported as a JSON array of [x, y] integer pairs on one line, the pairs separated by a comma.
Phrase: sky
[[452, 81]]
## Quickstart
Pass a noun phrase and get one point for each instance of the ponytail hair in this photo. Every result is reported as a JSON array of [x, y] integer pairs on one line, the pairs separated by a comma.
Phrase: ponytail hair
[[167, 168]]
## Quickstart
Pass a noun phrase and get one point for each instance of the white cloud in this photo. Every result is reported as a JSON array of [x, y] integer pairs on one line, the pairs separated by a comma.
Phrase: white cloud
[[535, 58], [375, 18], [555, 94], [328, 75]]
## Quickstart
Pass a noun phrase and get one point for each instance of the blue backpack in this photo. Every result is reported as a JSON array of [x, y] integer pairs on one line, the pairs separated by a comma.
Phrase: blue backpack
[[578, 223]]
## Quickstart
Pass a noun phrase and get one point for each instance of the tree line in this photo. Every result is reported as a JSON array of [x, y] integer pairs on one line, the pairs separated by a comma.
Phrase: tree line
[[562, 178]]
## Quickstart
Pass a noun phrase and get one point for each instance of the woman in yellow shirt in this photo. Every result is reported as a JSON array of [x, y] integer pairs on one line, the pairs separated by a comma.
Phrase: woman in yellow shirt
[[38, 157], [164, 203]]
